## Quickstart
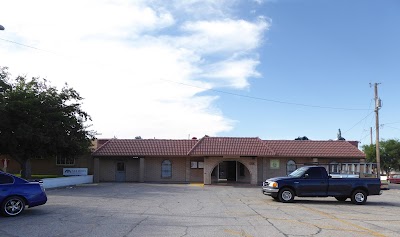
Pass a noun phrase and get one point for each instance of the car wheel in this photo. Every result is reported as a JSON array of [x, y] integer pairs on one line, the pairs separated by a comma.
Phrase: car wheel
[[359, 197], [286, 195], [341, 199], [12, 206]]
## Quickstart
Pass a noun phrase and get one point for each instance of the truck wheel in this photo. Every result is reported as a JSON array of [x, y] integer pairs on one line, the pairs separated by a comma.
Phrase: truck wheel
[[286, 195], [359, 197], [341, 199]]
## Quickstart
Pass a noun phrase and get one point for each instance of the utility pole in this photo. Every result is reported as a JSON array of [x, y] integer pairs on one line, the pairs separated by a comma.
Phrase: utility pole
[[378, 105]]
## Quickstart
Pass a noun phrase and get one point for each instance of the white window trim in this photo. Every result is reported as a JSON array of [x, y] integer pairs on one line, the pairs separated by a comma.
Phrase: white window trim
[[65, 161]]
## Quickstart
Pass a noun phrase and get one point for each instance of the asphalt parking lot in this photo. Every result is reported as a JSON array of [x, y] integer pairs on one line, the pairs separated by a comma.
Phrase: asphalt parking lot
[[136, 209]]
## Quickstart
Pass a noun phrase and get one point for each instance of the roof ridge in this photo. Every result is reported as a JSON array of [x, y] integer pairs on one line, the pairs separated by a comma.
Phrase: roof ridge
[[266, 146], [195, 145], [102, 146]]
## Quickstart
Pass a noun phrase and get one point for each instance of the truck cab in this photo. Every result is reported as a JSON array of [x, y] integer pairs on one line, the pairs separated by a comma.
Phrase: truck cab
[[314, 181]]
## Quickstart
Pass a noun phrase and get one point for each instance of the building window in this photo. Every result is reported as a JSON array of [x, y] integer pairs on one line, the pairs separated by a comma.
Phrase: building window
[[193, 165], [166, 169], [290, 167], [65, 160], [334, 167], [121, 166], [196, 164]]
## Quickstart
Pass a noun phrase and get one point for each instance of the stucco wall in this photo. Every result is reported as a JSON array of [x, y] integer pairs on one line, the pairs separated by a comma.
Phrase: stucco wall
[[107, 170], [152, 170], [269, 172], [196, 175]]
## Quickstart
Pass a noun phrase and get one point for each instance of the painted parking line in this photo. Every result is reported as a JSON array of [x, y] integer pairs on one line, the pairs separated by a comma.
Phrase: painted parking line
[[240, 233], [201, 185]]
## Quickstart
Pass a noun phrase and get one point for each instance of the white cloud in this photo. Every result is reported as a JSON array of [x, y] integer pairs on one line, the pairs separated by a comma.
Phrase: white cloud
[[122, 56], [223, 35], [235, 73]]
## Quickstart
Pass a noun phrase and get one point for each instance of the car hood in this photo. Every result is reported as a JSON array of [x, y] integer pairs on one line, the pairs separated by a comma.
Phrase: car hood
[[279, 178]]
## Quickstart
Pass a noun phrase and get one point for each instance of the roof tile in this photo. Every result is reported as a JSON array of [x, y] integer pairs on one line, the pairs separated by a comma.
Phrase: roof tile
[[307, 148]]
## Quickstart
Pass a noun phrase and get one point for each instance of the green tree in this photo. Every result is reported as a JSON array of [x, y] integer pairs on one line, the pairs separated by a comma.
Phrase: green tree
[[37, 120], [389, 151]]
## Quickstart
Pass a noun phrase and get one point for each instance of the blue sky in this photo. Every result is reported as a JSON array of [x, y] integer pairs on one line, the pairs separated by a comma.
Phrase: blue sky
[[178, 69]]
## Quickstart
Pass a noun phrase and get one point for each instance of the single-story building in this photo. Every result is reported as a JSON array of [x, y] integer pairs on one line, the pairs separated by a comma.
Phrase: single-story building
[[216, 159]]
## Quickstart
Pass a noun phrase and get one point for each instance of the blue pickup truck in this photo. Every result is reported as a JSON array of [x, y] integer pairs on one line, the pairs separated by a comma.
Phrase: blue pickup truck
[[314, 181]]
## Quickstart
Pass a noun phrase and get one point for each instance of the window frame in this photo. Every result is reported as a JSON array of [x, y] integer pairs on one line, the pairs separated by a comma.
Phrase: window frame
[[196, 164], [65, 163], [166, 164], [292, 163]]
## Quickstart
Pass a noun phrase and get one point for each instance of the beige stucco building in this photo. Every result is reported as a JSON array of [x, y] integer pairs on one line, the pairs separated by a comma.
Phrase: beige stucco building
[[215, 159]]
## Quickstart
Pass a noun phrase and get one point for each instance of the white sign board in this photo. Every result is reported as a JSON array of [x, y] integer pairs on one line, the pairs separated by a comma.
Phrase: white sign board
[[75, 171]]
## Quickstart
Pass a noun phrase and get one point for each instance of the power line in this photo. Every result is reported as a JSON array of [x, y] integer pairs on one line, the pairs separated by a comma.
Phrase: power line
[[391, 127], [392, 123], [28, 46], [263, 99], [359, 121], [219, 91]]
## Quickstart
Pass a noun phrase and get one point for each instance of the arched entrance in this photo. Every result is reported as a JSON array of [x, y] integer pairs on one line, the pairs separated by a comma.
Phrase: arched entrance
[[231, 171]]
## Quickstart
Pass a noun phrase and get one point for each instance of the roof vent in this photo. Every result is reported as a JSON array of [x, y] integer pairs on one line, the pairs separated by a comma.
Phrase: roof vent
[[194, 138]]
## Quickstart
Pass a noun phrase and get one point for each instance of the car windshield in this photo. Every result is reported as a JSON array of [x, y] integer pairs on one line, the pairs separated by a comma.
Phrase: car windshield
[[298, 173]]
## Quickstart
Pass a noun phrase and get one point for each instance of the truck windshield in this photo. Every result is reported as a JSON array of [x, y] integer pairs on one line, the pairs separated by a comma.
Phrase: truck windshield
[[299, 172]]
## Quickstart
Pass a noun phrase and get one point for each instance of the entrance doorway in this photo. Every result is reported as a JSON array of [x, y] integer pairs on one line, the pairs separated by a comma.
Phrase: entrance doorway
[[227, 171], [120, 172], [230, 172]]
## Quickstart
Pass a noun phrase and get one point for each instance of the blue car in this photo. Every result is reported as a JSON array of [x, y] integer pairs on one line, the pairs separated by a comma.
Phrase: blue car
[[16, 193]]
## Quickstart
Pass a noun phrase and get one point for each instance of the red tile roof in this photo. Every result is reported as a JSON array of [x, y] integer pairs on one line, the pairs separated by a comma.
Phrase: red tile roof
[[145, 147], [236, 146], [229, 146], [301, 148]]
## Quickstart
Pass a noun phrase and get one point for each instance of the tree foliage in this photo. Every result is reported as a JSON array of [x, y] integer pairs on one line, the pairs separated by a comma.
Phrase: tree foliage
[[37, 120], [304, 138], [389, 151]]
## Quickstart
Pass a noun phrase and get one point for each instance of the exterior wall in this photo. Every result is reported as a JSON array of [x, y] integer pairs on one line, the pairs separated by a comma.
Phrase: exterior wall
[[49, 166], [152, 170], [148, 169], [107, 169], [260, 171], [269, 172], [132, 170], [196, 175], [243, 179], [13, 166]]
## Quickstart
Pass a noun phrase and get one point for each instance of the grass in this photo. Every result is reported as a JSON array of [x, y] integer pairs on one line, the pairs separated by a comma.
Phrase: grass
[[41, 176]]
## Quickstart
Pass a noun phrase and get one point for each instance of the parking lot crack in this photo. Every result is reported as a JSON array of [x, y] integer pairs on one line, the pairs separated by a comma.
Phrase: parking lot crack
[[263, 217], [136, 225], [186, 231]]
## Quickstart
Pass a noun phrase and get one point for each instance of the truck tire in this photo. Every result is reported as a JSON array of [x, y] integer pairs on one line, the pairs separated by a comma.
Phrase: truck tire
[[359, 197], [341, 199], [286, 195]]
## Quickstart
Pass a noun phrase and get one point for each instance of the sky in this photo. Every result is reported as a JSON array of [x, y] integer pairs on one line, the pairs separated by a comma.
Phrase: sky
[[274, 69]]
